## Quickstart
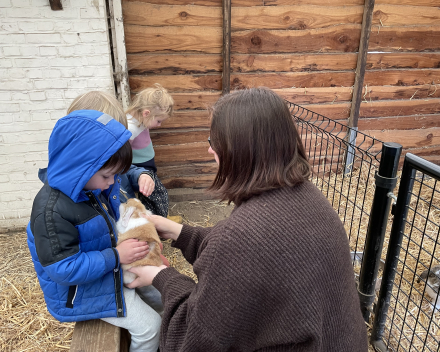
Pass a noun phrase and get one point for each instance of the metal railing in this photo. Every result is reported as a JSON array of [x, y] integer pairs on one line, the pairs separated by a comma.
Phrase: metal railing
[[407, 317]]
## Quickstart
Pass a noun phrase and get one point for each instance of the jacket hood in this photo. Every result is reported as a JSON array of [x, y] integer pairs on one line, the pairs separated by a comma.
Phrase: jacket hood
[[79, 146]]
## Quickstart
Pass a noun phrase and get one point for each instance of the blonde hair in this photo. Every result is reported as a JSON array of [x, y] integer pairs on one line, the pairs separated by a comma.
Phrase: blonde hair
[[100, 101], [156, 97]]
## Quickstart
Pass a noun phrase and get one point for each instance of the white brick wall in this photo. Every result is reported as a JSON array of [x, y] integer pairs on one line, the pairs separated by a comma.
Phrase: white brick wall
[[47, 58]]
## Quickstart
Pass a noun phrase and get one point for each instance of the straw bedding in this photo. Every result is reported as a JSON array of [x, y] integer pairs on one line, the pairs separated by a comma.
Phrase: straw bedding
[[27, 326]]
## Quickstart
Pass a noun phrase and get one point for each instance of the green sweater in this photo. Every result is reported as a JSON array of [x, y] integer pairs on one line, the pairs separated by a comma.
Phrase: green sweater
[[275, 276]]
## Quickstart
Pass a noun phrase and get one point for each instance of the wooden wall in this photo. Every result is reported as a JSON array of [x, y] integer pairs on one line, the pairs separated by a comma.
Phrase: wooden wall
[[306, 50]]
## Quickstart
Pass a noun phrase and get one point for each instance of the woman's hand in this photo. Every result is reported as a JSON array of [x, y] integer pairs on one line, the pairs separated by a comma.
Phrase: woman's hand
[[166, 228], [146, 184], [146, 275], [131, 250]]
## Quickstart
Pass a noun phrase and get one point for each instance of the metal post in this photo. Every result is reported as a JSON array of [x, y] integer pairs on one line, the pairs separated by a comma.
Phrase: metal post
[[389, 271], [351, 151], [385, 182]]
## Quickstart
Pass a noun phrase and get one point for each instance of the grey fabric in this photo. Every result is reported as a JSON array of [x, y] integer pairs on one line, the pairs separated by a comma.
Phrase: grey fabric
[[142, 321]]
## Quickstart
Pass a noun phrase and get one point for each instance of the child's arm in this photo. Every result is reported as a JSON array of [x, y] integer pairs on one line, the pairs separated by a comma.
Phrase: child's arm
[[59, 252], [141, 180]]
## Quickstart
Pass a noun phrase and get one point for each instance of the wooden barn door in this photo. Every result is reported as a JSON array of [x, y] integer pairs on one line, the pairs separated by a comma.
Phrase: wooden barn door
[[178, 43]]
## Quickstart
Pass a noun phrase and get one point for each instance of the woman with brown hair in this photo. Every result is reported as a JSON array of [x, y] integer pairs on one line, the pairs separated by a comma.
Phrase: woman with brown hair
[[276, 275]]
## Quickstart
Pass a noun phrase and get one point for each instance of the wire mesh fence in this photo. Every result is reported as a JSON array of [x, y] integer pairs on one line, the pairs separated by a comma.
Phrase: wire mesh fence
[[411, 319], [344, 162]]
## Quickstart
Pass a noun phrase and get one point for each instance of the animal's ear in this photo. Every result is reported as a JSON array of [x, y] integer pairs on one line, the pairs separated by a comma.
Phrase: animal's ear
[[127, 215]]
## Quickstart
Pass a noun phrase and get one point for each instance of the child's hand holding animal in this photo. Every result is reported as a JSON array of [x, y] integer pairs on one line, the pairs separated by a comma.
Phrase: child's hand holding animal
[[131, 250], [146, 185]]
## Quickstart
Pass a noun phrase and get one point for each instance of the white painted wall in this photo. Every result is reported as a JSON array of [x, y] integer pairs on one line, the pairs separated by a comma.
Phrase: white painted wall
[[47, 58]]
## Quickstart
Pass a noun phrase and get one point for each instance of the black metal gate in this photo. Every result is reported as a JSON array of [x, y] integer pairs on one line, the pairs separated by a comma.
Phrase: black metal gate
[[352, 169]]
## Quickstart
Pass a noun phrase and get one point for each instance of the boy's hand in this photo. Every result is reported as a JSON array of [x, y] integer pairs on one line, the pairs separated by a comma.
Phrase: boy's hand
[[146, 185], [131, 250]]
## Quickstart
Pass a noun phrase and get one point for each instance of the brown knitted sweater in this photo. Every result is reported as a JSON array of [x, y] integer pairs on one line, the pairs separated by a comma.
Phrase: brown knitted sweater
[[275, 276]]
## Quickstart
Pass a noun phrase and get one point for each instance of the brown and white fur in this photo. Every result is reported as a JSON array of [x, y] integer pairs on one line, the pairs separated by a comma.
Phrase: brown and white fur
[[132, 224]]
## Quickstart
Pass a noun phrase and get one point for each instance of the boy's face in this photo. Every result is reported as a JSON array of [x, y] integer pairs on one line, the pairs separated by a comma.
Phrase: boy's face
[[102, 180]]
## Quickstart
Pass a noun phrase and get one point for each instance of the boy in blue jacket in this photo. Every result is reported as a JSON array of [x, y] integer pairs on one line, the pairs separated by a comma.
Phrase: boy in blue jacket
[[72, 234]]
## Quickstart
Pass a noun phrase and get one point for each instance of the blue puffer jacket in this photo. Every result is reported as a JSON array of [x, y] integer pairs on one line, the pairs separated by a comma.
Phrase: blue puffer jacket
[[71, 234]]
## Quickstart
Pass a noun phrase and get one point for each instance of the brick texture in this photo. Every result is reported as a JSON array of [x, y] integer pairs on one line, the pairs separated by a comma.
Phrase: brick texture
[[47, 58]]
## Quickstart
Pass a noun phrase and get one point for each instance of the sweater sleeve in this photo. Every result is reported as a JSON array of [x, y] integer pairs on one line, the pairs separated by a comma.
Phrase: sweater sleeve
[[209, 315], [190, 240]]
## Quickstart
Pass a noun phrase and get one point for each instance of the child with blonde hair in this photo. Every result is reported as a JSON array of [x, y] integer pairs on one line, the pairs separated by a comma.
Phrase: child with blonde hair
[[149, 109]]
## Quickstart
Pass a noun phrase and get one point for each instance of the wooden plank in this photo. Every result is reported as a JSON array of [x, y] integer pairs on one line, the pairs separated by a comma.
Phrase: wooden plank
[[140, 39], [182, 154], [344, 38], [187, 119], [369, 93], [208, 63], [226, 53], [292, 80], [409, 138], [299, 17], [400, 122], [177, 83], [332, 79], [361, 63], [338, 111], [188, 169], [288, 2], [95, 336], [179, 137], [147, 14], [398, 15], [174, 63], [405, 38], [292, 62], [196, 181], [197, 100], [402, 77], [400, 108]]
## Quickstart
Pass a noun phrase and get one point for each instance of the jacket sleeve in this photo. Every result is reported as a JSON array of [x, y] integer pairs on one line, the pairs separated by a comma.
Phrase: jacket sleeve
[[133, 175], [59, 252]]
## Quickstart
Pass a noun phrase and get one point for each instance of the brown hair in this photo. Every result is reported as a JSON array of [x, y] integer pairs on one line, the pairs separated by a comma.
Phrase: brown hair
[[108, 104], [156, 99], [257, 143]]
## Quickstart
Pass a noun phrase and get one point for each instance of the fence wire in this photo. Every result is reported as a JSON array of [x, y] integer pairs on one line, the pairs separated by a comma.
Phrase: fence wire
[[344, 162], [413, 319]]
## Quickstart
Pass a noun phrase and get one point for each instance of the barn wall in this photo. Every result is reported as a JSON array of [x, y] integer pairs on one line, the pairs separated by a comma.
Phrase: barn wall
[[47, 58], [306, 50]]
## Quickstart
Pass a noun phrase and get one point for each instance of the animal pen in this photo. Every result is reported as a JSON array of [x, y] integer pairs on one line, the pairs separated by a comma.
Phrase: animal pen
[[347, 166]]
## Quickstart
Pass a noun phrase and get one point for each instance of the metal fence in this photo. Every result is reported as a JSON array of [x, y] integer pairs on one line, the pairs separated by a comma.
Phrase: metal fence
[[357, 173], [344, 162], [407, 316]]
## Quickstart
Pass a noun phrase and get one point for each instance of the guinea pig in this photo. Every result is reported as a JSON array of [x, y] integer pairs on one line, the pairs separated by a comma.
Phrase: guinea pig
[[432, 276], [132, 224]]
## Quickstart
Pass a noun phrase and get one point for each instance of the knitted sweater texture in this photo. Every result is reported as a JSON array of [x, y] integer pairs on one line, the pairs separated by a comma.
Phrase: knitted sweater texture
[[275, 276]]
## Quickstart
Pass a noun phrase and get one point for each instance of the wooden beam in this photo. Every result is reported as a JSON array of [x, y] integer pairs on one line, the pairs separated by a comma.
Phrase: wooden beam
[[226, 79], [361, 63]]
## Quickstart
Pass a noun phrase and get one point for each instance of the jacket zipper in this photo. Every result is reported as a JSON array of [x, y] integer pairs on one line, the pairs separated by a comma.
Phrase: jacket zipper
[[71, 296], [116, 275]]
